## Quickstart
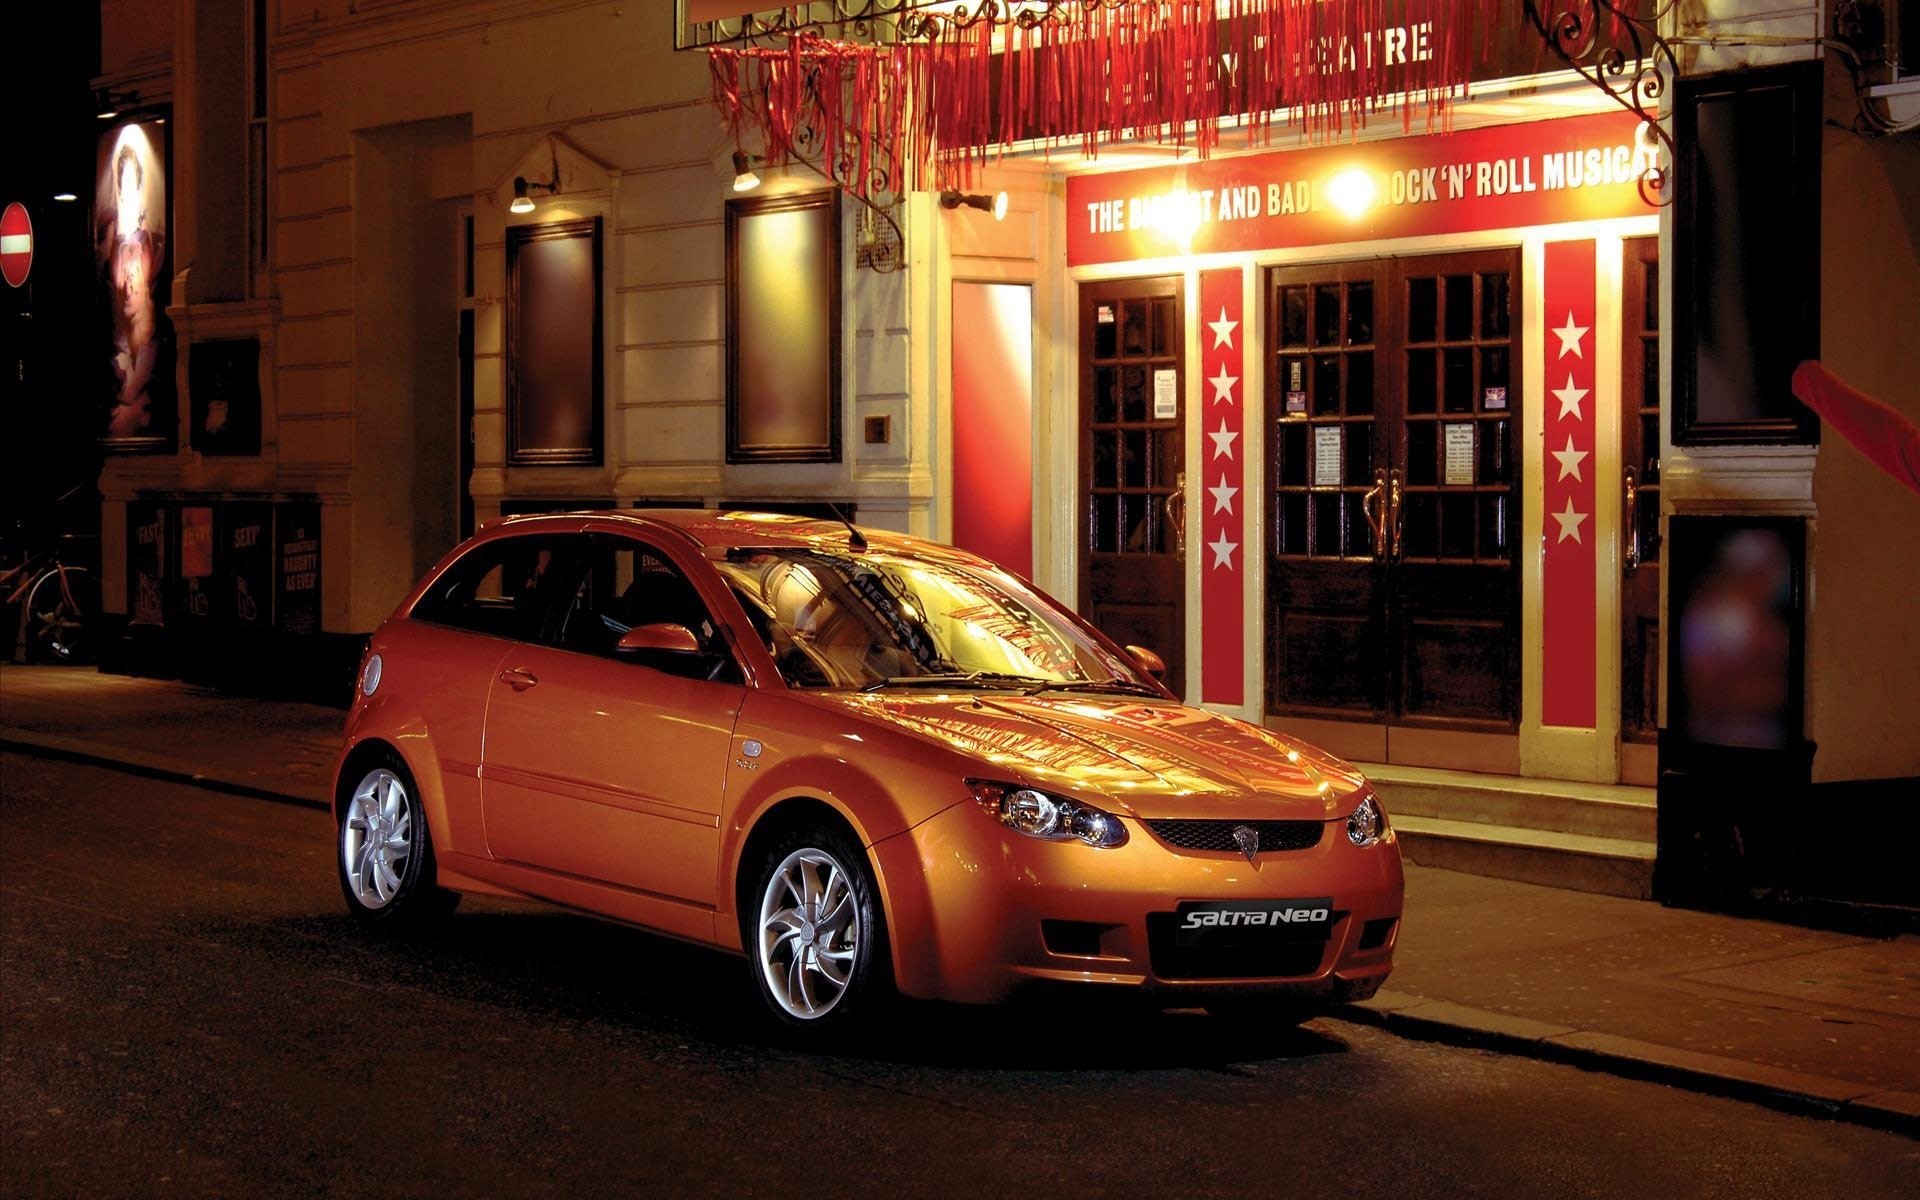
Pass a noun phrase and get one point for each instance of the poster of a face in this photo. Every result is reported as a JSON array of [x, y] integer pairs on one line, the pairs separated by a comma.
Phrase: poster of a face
[[130, 249]]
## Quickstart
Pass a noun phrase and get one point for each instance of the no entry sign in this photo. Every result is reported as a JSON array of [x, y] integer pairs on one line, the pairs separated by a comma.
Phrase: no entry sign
[[16, 244]]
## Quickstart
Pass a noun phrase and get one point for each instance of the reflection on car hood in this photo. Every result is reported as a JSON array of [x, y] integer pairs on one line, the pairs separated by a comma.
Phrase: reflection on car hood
[[1145, 758]]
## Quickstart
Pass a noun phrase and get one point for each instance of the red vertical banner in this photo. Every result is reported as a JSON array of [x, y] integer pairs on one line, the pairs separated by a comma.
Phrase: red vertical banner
[[1215, 540], [1569, 572]]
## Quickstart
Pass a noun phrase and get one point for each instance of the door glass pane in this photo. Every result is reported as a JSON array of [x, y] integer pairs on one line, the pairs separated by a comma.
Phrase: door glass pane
[[1650, 298], [1164, 338], [1423, 309], [1133, 522], [1459, 306], [1495, 305], [1326, 524], [1493, 452], [1106, 468], [1360, 314], [1458, 388], [1133, 458], [1106, 536], [1133, 393], [1456, 525], [1106, 401], [1293, 454], [1293, 316], [1422, 453], [1134, 335], [1165, 465], [1326, 384], [1360, 383], [1421, 366], [1493, 526], [1420, 529], [1359, 533], [1493, 374], [1359, 447], [1326, 314], [1292, 537], [1650, 374]]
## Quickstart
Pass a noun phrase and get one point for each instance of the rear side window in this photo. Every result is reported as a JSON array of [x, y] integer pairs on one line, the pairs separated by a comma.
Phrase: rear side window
[[502, 588]]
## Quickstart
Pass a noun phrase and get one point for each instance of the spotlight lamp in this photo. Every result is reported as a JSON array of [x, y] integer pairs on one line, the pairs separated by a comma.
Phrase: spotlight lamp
[[522, 202], [744, 179], [109, 104], [995, 204]]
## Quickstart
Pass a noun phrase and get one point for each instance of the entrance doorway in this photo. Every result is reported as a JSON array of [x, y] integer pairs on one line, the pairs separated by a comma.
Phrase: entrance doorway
[[1132, 401], [1640, 522], [1394, 493]]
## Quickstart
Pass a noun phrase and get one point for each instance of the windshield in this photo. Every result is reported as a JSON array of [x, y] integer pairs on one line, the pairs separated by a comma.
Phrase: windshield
[[874, 620]]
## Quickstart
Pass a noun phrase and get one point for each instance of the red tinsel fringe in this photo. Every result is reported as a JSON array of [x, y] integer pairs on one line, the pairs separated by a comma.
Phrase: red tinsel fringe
[[923, 114]]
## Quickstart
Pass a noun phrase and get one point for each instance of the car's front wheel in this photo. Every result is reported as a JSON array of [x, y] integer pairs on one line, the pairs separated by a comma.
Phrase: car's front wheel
[[386, 852], [816, 934]]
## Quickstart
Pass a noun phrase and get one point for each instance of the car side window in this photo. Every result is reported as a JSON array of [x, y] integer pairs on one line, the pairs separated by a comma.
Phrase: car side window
[[502, 588], [617, 584]]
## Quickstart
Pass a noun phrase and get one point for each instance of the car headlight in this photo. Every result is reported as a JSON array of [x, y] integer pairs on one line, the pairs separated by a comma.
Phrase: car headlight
[[370, 675], [1367, 822], [1049, 818]]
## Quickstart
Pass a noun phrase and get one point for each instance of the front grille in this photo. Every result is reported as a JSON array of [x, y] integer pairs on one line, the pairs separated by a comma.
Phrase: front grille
[[1275, 960], [1218, 835]]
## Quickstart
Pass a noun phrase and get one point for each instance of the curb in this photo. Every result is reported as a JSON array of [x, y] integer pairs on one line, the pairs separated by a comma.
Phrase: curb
[[152, 766], [1420, 1019]]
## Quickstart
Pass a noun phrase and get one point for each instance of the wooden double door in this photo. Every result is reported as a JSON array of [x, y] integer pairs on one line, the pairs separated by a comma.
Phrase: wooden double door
[[1393, 486]]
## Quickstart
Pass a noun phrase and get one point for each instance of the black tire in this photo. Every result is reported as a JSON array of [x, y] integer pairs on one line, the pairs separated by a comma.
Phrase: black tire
[[868, 993], [419, 899], [1264, 1012], [58, 614]]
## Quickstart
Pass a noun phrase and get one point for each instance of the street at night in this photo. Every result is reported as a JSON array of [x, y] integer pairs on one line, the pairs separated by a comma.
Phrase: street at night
[[190, 1012]]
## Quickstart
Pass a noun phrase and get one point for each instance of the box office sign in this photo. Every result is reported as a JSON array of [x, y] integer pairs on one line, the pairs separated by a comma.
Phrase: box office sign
[[1508, 176], [297, 566]]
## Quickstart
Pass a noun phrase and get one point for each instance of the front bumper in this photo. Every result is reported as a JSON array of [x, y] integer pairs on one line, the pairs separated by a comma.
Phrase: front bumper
[[977, 912]]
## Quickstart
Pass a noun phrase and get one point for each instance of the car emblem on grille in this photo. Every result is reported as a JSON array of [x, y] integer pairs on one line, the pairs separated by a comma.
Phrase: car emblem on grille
[[1248, 839]]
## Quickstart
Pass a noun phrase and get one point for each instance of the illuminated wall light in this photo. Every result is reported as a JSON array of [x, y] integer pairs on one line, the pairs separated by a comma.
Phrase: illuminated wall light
[[995, 204], [65, 197], [522, 203], [1352, 192], [744, 178]]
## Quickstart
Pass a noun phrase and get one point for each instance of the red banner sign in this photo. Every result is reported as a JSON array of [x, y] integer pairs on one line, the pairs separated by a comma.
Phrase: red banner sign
[[1222, 524], [1507, 176], [1567, 669]]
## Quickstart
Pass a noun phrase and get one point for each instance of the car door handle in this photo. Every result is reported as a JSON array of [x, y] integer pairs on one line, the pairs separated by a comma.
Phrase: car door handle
[[518, 680]]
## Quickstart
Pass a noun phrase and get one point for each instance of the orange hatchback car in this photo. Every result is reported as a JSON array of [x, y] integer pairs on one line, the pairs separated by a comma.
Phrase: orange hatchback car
[[874, 765]]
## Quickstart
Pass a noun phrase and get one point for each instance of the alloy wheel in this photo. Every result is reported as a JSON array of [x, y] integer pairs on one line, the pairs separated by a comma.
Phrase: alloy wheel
[[376, 839], [809, 933]]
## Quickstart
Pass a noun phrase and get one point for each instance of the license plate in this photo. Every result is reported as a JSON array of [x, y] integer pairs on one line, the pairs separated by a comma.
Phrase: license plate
[[1252, 922]]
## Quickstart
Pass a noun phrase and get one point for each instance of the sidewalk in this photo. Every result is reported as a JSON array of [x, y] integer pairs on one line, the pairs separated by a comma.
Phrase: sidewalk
[[1797, 1018]]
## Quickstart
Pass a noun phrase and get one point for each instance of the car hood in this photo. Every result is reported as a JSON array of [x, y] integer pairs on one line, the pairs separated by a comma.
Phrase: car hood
[[1143, 758]]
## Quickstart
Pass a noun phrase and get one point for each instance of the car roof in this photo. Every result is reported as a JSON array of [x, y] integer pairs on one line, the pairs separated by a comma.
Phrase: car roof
[[726, 530]]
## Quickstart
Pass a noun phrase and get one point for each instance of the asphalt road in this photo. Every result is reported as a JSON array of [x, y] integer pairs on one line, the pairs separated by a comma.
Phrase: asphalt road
[[188, 1010]]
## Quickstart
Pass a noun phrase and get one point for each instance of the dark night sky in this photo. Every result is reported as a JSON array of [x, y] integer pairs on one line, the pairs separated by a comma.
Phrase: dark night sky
[[47, 351]]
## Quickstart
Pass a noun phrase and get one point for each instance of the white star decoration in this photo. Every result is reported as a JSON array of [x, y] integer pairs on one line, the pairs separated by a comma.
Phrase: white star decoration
[[1223, 496], [1570, 398], [1569, 521], [1570, 460], [1223, 330], [1223, 385], [1223, 551], [1570, 335], [1223, 440]]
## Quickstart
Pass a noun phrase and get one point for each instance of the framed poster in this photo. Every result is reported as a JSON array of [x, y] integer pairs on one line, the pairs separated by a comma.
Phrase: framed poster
[[297, 567], [246, 567], [223, 390], [146, 563], [783, 328], [1736, 639], [1746, 275], [555, 377], [131, 254]]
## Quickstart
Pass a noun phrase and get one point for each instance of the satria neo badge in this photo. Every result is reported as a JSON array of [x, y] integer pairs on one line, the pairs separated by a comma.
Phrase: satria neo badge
[[1248, 839]]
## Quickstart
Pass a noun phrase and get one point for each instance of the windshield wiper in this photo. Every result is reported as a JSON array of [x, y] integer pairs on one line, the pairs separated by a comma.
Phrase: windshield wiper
[[1099, 685], [956, 679]]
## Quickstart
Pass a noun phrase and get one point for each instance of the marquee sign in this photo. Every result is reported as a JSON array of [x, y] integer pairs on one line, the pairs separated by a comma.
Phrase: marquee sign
[[1507, 176]]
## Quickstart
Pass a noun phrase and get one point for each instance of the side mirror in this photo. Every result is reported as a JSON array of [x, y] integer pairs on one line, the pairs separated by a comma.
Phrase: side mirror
[[1149, 662], [664, 637]]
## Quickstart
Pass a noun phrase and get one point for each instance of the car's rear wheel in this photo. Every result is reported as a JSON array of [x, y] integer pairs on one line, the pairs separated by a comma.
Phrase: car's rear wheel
[[816, 934], [386, 851]]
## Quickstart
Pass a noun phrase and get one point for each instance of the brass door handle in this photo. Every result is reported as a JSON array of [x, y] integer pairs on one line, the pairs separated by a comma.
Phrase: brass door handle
[[1374, 506], [1176, 510], [1630, 559], [1396, 519], [518, 680]]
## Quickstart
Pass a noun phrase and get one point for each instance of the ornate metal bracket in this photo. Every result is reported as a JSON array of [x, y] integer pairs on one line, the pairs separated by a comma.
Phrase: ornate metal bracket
[[1619, 50]]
